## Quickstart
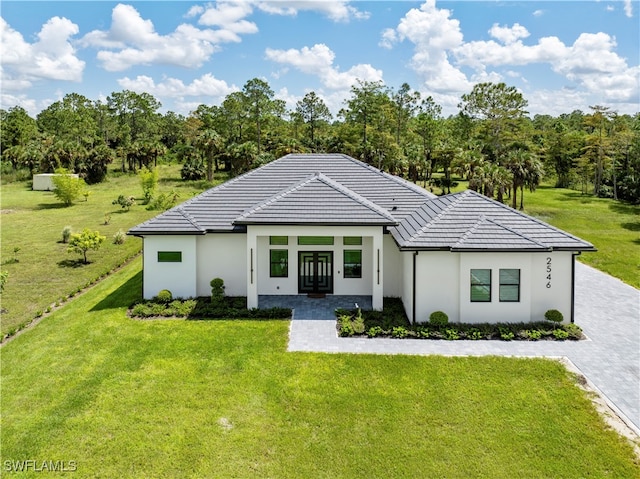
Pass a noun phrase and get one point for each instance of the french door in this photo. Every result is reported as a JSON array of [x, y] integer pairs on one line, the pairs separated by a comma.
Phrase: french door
[[315, 272]]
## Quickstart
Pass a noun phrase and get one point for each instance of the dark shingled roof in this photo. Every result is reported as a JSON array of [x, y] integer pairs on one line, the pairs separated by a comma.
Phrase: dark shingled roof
[[469, 221], [334, 189], [216, 209], [317, 199]]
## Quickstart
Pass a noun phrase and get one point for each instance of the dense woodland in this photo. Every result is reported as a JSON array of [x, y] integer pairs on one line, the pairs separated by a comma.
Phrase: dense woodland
[[493, 141]]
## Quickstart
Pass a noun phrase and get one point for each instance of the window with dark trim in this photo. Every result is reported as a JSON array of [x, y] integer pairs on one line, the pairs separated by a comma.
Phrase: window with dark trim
[[169, 256], [352, 240], [279, 263], [352, 263], [315, 240], [279, 240], [509, 285], [480, 285]]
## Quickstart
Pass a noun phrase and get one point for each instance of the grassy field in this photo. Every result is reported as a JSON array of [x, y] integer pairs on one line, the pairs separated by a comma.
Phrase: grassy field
[[611, 226], [33, 221], [172, 398]]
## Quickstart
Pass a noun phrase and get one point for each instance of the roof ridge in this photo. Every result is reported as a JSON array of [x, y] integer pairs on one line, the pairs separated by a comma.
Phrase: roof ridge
[[485, 219], [394, 178], [471, 230], [189, 218], [263, 203], [529, 217], [318, 175], [354, 196], [440, 214], [516, 232]]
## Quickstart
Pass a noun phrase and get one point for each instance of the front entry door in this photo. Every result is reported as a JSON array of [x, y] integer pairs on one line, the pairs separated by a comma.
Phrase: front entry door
[[316, 272]]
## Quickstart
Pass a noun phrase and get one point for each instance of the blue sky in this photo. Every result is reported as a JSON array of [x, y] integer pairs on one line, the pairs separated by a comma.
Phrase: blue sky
[[562, 56]]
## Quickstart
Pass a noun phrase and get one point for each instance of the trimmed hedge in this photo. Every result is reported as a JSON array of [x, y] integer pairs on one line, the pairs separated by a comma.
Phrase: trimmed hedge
[[202, 308], [392, 322]]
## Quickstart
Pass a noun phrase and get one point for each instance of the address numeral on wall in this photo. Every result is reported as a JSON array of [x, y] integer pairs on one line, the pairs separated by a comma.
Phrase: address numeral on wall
[[549, 272]]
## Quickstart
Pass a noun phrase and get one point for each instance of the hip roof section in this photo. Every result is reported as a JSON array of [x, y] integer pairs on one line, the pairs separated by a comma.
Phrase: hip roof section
[[218, 208], [335, 189], [317, 200], [469, 221]]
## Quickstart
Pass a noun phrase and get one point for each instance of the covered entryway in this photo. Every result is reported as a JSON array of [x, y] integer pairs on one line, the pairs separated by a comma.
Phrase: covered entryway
[[315, 272], [306, 308]]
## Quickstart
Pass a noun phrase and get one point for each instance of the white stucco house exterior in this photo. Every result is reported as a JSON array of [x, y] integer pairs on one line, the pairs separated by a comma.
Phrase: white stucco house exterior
[[322, 224]]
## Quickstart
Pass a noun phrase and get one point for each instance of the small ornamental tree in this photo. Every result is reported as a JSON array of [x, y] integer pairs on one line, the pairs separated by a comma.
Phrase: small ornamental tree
[[126, 202], [217, 291], [68, 188], [149, 182], [83, 242]]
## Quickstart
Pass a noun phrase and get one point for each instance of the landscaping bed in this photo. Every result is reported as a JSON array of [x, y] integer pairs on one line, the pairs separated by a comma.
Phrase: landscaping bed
[[229, 307], [392, 322]]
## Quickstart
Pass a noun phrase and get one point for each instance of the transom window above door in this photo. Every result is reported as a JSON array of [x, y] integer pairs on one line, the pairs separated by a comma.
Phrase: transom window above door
[[315, 240]]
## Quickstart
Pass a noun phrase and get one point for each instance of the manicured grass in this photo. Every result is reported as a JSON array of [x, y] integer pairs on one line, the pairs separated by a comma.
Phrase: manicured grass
[[33, 221], [174, 398], [611, 226]]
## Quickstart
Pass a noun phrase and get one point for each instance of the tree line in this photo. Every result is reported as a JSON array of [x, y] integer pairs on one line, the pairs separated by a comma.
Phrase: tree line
[[492, 141]]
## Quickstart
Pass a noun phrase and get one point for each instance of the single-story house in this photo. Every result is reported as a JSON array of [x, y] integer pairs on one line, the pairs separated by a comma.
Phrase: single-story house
[[329, 224]]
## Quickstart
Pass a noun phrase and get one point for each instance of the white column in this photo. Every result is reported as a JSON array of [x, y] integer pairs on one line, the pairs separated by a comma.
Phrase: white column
[[252, 269], [378, 270]]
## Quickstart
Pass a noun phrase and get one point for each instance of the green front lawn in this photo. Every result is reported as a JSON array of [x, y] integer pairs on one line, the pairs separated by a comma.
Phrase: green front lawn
[[174, 398], [33, 222]]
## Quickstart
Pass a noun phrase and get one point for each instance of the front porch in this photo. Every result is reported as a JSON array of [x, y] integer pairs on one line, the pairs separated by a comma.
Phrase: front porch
[[305, 307]]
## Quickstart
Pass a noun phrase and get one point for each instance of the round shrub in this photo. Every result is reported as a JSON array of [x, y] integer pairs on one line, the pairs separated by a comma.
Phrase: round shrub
[[164, 296], [438, 318], [66, 234], [119, 237], [554, 316]]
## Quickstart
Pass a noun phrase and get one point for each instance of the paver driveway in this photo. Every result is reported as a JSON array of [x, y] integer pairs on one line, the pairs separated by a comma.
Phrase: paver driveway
[[607, 309]]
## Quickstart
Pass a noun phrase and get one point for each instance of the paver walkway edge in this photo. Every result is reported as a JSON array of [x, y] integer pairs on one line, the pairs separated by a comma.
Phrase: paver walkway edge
[[607, 310]]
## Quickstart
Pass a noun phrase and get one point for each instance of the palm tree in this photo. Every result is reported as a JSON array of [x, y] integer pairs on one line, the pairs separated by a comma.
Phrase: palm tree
[[527, 170], [209, 143]]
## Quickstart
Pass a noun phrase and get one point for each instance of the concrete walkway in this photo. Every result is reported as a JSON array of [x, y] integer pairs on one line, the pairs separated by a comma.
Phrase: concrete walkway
[[607, 310]]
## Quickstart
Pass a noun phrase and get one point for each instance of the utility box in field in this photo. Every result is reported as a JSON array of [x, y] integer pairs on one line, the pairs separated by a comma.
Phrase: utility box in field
[[43, 181]]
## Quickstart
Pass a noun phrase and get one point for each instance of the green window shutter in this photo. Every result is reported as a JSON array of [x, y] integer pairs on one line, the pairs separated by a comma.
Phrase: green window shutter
[[169, 256], [352, 240], [480, 285], [279, 260], [315, 240]]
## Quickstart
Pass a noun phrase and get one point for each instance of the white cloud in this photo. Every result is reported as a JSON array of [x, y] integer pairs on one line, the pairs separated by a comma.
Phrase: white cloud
[[508, 34], [538, 13], [51, 57], [440, 54], [207, 85], [7, 100], [337, 11], [434, 34], [318, 61], [556, 102], [389, 37], [611, 8], [132, 40], [628, 8]]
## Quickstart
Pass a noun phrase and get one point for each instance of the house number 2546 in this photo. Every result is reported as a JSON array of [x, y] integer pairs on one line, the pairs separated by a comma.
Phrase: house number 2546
[[548, 272]]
